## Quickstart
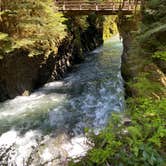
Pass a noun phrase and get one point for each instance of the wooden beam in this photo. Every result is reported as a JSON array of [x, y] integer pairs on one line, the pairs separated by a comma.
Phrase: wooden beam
[[128, 6]]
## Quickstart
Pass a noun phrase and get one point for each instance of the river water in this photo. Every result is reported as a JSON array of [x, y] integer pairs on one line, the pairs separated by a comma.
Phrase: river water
[[47, 127]]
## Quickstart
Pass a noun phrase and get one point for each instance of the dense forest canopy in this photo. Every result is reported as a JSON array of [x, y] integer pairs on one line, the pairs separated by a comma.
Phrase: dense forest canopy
[[31, 25]]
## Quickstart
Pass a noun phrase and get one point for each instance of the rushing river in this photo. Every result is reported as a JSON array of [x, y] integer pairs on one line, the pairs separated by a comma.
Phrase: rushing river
[[47, 127]]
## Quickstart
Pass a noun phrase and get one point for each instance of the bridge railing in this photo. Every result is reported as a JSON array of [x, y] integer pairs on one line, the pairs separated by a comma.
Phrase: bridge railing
[[75, 5]]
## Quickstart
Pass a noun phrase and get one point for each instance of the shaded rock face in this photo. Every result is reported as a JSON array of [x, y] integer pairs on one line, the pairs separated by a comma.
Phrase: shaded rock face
[[20, 74], [138, 64], [91, 38], [56, 65], [125, 27], [17, 74]]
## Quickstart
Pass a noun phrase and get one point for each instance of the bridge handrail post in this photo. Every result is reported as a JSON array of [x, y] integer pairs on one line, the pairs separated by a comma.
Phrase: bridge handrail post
[[113, 6], [97, 8], [64, 7], [129, 7]]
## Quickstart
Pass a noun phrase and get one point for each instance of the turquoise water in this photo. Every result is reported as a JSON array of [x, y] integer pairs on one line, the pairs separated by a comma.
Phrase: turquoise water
[[49, 124]]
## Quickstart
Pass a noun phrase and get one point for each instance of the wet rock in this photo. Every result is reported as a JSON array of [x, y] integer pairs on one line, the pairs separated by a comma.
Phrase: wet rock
[[21, 74], [25, 93], [127, 121]]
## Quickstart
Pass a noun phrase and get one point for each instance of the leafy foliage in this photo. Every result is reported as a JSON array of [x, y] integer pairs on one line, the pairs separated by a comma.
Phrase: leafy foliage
[[141, 139], [139, 143], [109, 27], [160, 54], [153, 27], [32, 25]]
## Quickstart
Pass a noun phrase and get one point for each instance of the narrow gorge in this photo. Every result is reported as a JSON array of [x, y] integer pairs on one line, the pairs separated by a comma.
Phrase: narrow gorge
[[81, 87]]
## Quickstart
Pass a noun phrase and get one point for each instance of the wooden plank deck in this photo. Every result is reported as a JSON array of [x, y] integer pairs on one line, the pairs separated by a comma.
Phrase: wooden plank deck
[[106, 7]]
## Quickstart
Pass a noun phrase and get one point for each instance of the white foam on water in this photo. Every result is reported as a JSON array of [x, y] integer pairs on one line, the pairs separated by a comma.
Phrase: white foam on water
[[65, 112], [77, 147], [47, 155], [97, 50], [8, 138], [23, 145], [53, 85], [25, 104]]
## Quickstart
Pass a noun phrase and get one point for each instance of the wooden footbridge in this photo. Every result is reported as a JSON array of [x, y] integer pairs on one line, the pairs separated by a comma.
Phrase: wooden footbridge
[[104, 7]]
